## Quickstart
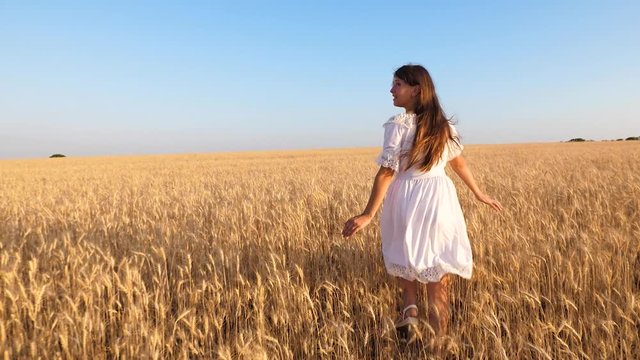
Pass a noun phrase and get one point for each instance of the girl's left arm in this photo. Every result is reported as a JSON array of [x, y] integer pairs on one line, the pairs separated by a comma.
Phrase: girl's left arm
[[378, 191], [459, 166]]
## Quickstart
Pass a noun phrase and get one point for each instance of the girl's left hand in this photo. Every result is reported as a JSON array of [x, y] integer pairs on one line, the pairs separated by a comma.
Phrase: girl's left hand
[[355, 224]]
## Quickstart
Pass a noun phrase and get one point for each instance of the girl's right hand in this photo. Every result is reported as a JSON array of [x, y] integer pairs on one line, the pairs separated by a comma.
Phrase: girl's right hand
[[489, 201], [355, 224]]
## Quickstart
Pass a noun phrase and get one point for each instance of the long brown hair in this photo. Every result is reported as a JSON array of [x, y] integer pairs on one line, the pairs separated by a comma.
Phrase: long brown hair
[[432, 126]]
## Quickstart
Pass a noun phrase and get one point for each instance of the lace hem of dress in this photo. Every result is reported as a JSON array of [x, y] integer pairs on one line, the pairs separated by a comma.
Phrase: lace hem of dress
[[388, 160], [431, 274]]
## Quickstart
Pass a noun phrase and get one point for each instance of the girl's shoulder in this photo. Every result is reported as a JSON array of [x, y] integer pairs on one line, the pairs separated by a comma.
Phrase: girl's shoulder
[[404, 119], [452, 128]]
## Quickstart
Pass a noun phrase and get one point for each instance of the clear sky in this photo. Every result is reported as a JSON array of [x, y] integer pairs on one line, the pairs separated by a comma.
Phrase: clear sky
[[91, 78]]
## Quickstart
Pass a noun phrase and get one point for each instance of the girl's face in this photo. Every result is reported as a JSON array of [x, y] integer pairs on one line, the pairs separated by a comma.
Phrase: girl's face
[[403, 94]]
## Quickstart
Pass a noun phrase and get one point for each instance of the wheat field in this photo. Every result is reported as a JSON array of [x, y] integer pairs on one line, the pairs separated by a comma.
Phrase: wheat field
[[239, 256]]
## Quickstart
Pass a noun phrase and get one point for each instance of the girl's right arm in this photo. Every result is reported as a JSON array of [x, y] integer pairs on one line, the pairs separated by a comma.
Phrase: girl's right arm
[[459, 166]]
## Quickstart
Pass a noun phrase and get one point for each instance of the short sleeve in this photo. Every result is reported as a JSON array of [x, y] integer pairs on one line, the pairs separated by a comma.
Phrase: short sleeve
[[390, 155], [454, 147]]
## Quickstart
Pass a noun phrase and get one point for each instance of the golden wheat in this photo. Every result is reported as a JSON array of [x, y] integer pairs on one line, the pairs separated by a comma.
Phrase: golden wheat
[[240, 256]]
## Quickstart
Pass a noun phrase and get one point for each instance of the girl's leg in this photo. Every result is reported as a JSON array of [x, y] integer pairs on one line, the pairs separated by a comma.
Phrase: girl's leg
[[409, 294], [438, 295]]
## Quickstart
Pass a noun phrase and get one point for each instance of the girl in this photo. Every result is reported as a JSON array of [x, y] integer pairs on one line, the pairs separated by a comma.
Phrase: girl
[[424, 236]]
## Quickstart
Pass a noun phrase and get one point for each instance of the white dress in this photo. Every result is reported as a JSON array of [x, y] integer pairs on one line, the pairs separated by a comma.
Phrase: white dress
[[424, 235]]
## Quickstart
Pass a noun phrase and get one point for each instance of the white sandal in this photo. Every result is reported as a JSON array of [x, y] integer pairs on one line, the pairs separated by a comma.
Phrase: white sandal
[[407, 320]]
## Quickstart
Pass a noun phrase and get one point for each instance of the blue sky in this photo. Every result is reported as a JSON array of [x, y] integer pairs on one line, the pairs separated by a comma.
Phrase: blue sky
[[89, 78]]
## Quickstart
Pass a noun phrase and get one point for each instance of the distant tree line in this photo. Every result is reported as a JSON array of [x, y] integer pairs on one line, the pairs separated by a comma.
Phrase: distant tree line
[[630, 138]]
